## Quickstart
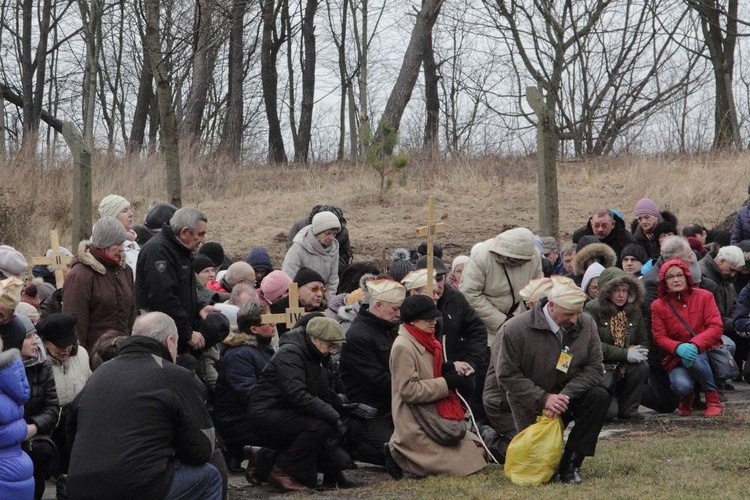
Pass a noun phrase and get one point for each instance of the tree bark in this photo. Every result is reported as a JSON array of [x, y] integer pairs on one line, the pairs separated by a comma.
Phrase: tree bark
[[432, 101], [407, 77], [308, 82], [269, 81], [231, 136], [143, 102], [161, 67], [203, 63]]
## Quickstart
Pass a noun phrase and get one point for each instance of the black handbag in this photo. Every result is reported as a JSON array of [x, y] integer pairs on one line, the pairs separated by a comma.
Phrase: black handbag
[[723, 365]]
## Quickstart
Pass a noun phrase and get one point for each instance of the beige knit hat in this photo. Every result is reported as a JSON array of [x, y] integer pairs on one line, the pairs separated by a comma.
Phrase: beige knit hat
[[10, 292], [536, 289], [111, 205]]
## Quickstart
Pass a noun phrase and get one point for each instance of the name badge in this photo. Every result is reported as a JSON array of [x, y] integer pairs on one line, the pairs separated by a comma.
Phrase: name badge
[[563, 362]]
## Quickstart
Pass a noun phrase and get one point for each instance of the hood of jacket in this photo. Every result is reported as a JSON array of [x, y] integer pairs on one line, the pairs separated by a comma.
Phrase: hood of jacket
[[609, 280], [517, 243], [85, 257], [310, 243], [662, 288], [598, 252]]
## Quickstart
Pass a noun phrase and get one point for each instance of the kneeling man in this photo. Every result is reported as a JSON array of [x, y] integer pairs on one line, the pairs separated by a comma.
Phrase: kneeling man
[[550, 361]]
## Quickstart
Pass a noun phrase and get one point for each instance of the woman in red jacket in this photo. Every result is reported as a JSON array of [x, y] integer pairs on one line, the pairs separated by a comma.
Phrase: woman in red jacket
[[686, 323]]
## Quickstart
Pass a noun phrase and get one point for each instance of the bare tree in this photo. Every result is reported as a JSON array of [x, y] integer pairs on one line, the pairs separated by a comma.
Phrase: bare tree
[[272, 41]]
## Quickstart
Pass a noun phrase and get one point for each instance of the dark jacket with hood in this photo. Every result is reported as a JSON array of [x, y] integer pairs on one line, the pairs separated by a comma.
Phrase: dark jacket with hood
[[726, 295], [463, 330], [695, 306], [617, 239], [602, 311], [100, 294], [137, 414], [741, 226], [649, 245], [295, 380], [166, 282], [364, 360], [242, 361], [43, 407]]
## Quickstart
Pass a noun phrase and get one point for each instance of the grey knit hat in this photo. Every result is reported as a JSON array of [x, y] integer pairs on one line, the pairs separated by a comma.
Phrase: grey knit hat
[[324, 221], [108, 231]]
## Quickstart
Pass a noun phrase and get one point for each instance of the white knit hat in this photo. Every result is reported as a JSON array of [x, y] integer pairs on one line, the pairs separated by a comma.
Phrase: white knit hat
[[111, 205], [323, 221]]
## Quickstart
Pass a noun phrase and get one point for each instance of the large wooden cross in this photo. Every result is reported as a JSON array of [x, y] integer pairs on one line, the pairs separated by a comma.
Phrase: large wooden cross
[[430, 231], [291, 314], [57, 260]]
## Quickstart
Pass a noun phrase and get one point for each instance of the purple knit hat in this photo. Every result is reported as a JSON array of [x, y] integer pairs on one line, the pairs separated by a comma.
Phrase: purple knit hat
[[645, 206]]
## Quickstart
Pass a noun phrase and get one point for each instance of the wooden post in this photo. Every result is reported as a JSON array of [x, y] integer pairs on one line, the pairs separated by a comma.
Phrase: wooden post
[[58, 260], [291, 314], [546, 150], [430, 231]]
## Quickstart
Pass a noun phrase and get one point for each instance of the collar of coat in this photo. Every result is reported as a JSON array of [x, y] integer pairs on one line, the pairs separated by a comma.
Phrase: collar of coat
[[86, 258], [539, 321]]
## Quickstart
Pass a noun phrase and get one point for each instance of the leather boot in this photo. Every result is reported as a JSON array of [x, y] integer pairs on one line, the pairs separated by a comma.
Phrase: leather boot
[[284, 481], [391, 467], [713, 405], [570, 466], [251, 473], [337, 480], [685, 409]]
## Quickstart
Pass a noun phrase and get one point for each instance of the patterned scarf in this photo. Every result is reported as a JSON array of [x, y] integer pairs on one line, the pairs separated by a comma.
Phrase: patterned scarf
[[449, 407], [618, 325]]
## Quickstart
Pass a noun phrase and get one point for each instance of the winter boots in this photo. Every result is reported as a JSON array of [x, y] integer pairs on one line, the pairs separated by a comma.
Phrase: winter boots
[[713, 405]]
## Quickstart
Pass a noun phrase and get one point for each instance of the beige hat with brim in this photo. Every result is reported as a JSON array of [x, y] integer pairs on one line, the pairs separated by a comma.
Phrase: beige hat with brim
[[385, 290], [566, 294]]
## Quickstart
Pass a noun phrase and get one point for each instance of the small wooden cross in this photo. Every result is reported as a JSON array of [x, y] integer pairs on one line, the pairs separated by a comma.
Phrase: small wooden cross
[[291, 314], [58, 260], [430, 231]]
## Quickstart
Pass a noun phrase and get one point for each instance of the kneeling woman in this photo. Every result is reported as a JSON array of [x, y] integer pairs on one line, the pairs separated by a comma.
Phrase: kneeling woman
[[419, 376], [686, 323]]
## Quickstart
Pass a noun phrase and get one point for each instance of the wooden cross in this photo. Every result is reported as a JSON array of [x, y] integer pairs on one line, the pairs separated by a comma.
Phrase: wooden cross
[[429, 231], [291, 314], [58, 260]]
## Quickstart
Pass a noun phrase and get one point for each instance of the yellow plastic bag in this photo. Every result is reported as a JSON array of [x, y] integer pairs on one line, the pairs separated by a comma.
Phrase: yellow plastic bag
[[534, 453]]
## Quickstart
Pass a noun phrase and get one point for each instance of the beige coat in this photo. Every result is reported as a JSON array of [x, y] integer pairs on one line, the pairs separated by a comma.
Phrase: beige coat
[[487, 289], [412, 382]]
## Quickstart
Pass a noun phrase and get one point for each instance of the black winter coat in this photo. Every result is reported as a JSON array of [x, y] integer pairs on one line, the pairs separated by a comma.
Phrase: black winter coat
[[618, 239], [295, 380], [165, 282], [135, 416], [43, 407], [239, 371], [464, 332], [364, 360]]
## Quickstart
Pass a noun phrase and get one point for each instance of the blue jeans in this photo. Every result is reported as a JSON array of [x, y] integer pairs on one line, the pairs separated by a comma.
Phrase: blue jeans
[[683, 379], [195, 481]]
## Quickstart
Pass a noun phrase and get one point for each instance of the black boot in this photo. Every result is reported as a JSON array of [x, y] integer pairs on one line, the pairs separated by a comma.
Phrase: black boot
[[337, 479], [391, 467], [570, 466]]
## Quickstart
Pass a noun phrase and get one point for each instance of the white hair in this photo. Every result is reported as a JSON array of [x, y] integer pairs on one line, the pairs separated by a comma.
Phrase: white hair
[[731, 254]]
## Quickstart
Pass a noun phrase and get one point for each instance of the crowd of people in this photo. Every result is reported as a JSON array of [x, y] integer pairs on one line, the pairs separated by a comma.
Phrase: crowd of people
[[161, 356]]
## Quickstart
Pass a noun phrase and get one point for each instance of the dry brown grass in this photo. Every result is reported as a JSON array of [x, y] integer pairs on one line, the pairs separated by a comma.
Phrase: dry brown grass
[[254, 205]]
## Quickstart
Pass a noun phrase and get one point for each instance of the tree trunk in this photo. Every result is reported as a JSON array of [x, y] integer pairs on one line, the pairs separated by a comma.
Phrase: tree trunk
[[407, 77], [269, 81], [231, 136], [142, 103], [91, 17], [308, 82], [161, 68], [3, 151], [353, 136], [547, 140], [33, 68], [203, 63], [432, 101]]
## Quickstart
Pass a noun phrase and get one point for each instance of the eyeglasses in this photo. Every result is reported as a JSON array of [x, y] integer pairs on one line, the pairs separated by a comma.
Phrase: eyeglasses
[[678, 276]]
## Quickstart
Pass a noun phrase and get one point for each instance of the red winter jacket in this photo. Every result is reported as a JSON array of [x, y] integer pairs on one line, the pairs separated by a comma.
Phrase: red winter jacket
[[696, 306]]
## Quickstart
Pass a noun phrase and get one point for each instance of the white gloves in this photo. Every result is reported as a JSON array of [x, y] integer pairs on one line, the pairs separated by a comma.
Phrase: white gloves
[[637, 354]]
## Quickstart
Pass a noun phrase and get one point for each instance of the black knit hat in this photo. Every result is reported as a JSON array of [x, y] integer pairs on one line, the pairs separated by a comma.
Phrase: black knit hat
[[663, 228], [636, 251], [437, 265], [213, 251], [59, 329], [306, 275], [400, 264], [201, 262], [437, 250], [13, 334], [418, 307]]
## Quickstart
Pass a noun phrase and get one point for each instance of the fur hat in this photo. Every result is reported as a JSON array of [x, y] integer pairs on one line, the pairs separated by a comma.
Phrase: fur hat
[[160, 214], [323, 221], [327, 329], [274, 285], [595, 252], [259, 259], [663, 228], [516, 243], [108, 231], [59, 329], [400, 264], [12, 263], [566, 294], [437, 265], [418, 307], [645, 206], [213, 251], [10, 292], [306, 275], [111, 205], [634, 250], [201, 262]]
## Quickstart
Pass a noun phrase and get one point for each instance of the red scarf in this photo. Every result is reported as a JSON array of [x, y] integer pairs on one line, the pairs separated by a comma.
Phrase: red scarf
[[96, 252], [449, 407]]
